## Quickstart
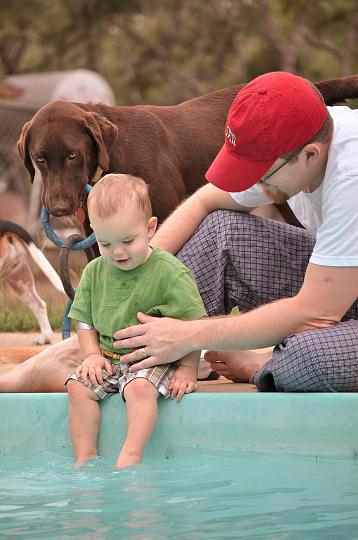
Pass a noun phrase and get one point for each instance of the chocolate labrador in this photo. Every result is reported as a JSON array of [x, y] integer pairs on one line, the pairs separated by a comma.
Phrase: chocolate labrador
[[170, 147]]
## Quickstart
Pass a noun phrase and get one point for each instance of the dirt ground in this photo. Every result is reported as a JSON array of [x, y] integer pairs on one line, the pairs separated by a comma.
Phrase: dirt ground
[[16, 347], [22, 339]]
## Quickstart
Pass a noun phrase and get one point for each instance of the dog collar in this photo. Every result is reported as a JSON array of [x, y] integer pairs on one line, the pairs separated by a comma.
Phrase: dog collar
[[97, 174]]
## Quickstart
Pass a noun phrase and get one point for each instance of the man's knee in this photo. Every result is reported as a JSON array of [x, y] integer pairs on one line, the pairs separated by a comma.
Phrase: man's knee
[[215, 227]]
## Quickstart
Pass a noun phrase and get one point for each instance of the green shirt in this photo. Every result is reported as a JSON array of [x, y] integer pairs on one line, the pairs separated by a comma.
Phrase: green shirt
[[109, 298]]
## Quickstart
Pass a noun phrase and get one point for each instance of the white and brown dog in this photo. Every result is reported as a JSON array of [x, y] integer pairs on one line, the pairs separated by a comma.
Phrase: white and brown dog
[[15, 246]]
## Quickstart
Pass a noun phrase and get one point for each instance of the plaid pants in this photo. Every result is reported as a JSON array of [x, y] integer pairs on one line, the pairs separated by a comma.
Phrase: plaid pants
[[241, 260]]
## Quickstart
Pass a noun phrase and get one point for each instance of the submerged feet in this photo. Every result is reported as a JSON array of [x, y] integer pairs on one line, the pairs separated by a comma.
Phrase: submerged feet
[[128, 458], [238, 366], [125, 459], [81, 462]]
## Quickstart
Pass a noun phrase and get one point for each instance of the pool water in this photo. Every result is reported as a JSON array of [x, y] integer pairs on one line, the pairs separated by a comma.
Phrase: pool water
[[207, 495], [241, 466]]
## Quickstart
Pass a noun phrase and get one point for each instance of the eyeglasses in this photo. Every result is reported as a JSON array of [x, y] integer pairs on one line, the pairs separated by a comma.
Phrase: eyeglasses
[[264, 179]]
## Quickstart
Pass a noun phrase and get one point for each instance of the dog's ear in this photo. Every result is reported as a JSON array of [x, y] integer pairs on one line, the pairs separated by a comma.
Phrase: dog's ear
[[104, 134], [23, 149]]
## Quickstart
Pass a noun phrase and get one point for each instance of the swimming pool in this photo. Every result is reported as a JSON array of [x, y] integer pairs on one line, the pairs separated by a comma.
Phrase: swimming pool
[[217, 466]]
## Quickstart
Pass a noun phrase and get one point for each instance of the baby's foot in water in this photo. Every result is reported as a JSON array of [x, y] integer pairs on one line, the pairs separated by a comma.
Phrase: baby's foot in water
[[237, 366], [82, 462], [128, 459]]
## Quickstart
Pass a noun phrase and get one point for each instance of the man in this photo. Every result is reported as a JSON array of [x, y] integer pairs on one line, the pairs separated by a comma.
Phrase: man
[[295, 294], [281, 143]]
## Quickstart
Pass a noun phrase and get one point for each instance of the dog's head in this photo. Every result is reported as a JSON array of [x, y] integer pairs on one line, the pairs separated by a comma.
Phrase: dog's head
[[67, 143]]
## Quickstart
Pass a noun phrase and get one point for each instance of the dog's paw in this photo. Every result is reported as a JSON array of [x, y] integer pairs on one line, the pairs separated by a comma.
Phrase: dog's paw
[[43, 339]]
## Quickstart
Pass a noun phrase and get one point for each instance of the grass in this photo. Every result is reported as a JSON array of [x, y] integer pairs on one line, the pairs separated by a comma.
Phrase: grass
[[15, 317]]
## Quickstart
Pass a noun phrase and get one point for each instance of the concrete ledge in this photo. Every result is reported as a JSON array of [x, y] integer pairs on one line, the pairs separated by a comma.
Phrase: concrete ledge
[[229, 423]]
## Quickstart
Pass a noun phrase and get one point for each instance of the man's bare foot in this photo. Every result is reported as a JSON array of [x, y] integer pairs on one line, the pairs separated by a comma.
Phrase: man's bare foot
[[127, 459], [238, 366]]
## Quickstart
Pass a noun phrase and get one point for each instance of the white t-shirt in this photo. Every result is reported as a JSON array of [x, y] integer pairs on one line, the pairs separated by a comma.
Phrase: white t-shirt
[[330, 213]]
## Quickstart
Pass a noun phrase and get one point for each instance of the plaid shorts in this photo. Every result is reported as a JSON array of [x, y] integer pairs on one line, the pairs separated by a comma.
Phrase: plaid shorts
[[159, 376], [242, 260]]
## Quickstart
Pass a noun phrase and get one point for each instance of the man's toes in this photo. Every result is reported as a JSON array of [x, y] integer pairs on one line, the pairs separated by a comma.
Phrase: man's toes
[[211, 356], [238, 380], [221, 369]]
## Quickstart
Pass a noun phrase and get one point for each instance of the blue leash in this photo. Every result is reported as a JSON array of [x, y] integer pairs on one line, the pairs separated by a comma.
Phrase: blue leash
[[66, 322], [50, 233], [77, 246]]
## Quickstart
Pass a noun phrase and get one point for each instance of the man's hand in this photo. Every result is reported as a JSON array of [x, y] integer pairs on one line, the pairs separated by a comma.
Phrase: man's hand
[[157, 341], [92, 367], [184, 381]]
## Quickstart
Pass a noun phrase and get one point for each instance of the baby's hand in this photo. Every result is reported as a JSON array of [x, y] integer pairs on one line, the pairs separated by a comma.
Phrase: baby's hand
[[184, 381], [92, 367]]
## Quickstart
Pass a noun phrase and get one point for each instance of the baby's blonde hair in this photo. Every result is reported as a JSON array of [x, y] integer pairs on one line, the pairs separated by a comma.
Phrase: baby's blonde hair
[[112, 193]]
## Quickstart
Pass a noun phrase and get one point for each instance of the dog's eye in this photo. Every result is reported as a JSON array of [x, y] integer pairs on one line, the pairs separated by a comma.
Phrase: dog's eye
[[72, 155], [40, 160]]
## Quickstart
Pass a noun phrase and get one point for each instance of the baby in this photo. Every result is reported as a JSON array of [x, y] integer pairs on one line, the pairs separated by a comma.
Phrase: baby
[[128, 277]]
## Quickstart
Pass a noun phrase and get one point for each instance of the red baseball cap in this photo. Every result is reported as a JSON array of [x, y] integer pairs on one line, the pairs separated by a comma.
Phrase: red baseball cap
[[272, 115]]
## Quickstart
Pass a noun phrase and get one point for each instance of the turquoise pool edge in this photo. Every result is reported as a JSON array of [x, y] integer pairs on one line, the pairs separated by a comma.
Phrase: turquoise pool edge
[[306, 424]]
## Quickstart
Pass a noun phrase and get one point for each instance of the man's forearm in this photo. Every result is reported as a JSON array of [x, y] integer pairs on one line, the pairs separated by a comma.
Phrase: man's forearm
[[265, 326], [179, 226]]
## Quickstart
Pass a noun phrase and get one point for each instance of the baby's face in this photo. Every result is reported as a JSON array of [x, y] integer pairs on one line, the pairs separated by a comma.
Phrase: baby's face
[[123, 239]]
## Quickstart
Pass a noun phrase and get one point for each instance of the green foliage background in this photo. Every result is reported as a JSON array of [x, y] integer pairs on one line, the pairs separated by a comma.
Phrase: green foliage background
[[165, 51]]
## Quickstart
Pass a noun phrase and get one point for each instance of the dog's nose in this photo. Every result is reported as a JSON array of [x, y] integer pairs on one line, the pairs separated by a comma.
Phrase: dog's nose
[[60, 210]]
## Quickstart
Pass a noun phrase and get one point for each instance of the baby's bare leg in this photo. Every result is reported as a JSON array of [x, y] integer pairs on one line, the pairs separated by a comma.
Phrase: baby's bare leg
[[44, 372], [142, 410], [83, 421]]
